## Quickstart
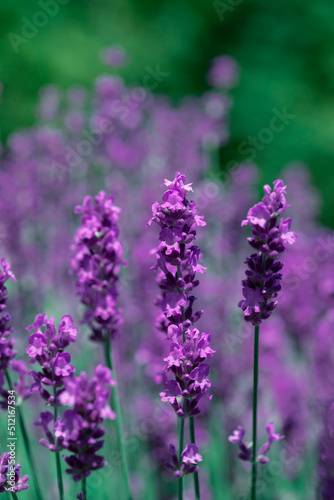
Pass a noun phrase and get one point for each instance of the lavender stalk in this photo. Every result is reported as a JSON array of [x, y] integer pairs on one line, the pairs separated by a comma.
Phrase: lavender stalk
[[255, 385], [177, 264], [97, 261], [270, 238], [6, 361]]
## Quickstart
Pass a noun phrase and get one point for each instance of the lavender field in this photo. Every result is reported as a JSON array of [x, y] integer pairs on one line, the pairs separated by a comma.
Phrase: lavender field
[[166, 318]]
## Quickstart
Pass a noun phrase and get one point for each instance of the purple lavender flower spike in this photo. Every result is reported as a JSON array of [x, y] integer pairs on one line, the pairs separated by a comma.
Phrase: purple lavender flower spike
[[80, 429], [177, 264], [270, 238], [178, 261], [97, 261], [47, 349], [7, 342], [11, 482]]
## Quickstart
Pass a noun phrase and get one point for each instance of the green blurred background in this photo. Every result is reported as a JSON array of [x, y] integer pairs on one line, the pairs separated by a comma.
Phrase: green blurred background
[[285, 50]]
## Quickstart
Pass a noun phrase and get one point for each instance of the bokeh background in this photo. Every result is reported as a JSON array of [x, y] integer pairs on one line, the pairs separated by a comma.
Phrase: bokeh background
[[285, 50]]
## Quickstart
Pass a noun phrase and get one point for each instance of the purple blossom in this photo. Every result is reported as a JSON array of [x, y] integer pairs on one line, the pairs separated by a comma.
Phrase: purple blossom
[[23, 385], [47, 349], [97, 261], [246, 449], [177, 264], [11, 481], [264, 449], [190, 458], [80, 430], [223, 73], [270, 238], [7, 352], [178, 261]]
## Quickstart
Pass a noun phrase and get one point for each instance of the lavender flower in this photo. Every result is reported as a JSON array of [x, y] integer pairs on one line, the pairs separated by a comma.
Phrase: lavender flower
[[177, 264], [190, 458], [97, 261], [246, 449], [178, 261], [47, 349], [10, 475], [80, 429], [7, 352], [270, 238]]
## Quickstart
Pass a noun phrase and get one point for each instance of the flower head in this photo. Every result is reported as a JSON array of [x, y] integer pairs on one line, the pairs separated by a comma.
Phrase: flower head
[[190, 458], [80, 429], [270, 238], [11, 480], [246, 449], [97, 261], [46, 348]]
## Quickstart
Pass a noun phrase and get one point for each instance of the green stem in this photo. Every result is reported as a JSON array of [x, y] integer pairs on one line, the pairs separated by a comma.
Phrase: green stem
[[14, 495], [26, 443], [255, 385], [116, 407], [181, 437], [192, 439], [58, 464], [84, 489]]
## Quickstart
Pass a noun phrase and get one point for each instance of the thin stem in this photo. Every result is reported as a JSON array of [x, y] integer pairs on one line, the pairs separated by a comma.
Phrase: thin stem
[[193, 440], [181, 437], [26, 443], [255, 385], [116, 407], [58, 464], [84, 489], [14, 495]]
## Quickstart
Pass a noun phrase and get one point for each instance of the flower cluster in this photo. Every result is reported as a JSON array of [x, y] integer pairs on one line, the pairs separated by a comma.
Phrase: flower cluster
[[178, 262], [190, 458], [245, 449], [7, 352], [184, 360], [97, 260], [47, 349], [10, 478], [270, 238], [79, 430]]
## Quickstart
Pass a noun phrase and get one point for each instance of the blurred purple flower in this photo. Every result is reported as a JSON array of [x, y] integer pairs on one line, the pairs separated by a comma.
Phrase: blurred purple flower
[[190, 458], [80, 429], [223, 73], [8, 481], [114, 56], [97, 261], [245, 449]]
